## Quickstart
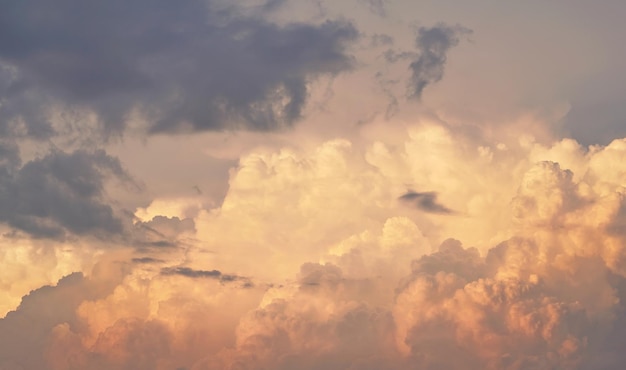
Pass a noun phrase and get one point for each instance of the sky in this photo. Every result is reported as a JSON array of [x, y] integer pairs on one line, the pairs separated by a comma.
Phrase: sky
[[312, 184]]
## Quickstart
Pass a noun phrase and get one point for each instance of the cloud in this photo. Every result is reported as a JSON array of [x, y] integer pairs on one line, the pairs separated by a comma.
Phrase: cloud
[[324, 326], [150, 320], [27, 330], [193, 65], [494, 321], [356, 283], [60, 193], [432, 45], [128, 344], [523, 304], [211, 274], [318, 257], [146, 260], [425, 201], [162, 232]]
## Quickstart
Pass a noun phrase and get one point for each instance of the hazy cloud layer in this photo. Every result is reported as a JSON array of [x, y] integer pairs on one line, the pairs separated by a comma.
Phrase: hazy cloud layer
[[192, 65]]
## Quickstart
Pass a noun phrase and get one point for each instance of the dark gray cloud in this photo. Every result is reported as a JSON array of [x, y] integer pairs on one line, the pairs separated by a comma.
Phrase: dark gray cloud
[[186, 65], [146, 260], [211, 274], [59, 193], [157, 244], [189, 272], [426, 202], [432, 45]]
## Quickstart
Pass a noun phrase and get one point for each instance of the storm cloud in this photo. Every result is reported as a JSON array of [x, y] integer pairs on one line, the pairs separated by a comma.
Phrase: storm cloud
[[59, 193], [184, 66]]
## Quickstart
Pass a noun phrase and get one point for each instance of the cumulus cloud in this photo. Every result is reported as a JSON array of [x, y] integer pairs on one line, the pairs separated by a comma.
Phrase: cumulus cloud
[[149, 321], [28, 329], [486, 321], [323, 322], [303, 248], [193, 65], [356, 283], [162, 232]]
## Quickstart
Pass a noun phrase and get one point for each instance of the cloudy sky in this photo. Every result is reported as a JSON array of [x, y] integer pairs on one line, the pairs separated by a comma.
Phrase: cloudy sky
[[312, 184]]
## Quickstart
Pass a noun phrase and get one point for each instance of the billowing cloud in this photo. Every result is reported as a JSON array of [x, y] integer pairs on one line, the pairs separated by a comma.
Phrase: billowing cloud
[[193, 65], [162, 324], [303, 248], [327, 324], [27, 330], [161, 232], [354, 298]]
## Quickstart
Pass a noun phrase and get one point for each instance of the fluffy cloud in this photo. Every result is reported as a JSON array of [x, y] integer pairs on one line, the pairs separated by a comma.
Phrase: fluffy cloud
[[454, 313], [28, 329], [449, 228], [325, 322], [311, 254]]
